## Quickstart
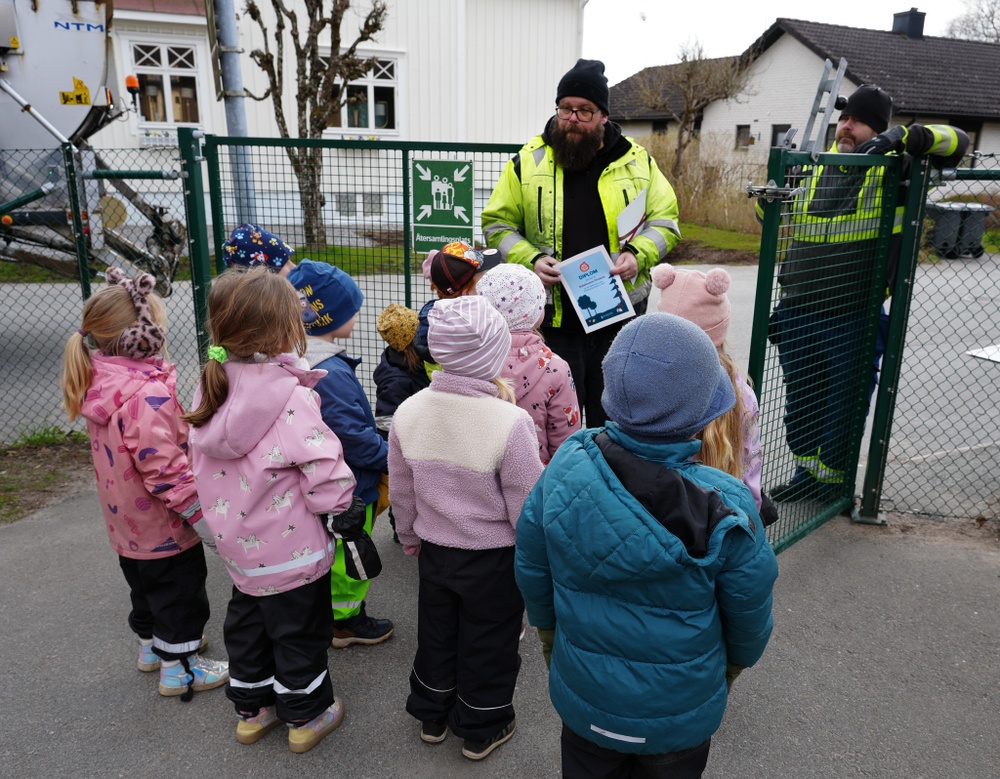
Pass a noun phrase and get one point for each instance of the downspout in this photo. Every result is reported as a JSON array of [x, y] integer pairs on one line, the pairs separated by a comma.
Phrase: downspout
[[579, 41]]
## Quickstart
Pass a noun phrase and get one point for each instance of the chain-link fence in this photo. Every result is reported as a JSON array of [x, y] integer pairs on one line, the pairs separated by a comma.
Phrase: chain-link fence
[[120, 207], [943, 451], [836, 241], [825, 256], [372, 209]]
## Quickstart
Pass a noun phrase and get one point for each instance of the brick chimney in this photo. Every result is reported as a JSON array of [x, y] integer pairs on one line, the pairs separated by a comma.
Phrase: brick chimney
[[909, 23]]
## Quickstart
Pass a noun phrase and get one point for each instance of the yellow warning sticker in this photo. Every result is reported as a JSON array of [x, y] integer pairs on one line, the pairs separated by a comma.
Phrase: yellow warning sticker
[[79, 96]]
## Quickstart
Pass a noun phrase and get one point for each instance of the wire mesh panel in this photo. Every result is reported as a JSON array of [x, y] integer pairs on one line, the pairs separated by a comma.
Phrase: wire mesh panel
[[119, 207], [351, 204], [945, 441], [830, 235]]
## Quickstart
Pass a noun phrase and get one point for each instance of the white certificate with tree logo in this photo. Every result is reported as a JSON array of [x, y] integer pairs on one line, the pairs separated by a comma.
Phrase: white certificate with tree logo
[[598, 297]]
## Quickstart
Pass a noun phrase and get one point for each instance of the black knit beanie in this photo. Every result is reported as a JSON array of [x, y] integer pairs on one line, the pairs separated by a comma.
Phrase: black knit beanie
[[871, 105], [586, 79]]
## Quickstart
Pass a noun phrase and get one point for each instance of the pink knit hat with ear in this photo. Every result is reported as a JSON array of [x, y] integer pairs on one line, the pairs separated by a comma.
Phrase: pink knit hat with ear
[[696, 296]]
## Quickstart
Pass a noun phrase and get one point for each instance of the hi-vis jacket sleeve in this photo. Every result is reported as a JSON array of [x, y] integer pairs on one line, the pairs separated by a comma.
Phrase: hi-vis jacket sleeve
[[503, 218]]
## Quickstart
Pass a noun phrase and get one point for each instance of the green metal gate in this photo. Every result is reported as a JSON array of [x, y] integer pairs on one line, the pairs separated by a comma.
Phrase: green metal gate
[[823, 275]]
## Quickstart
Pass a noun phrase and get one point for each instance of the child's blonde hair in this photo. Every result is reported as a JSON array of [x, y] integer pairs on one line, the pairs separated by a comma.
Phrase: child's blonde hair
[[250, 312], [723, 441], [106, 317]]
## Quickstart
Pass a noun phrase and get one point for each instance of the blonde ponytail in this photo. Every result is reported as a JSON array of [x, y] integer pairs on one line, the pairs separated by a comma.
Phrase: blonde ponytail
[[77, 374]]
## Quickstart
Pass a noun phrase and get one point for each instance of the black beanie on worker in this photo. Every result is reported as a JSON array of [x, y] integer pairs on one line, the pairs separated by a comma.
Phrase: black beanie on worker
[[871, 105], [586, 79]]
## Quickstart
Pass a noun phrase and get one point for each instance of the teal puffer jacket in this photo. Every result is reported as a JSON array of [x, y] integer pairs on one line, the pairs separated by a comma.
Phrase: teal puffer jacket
[[643, 629]]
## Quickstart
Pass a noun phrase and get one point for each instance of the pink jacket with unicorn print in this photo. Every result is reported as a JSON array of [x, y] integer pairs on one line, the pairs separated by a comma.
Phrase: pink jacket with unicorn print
[[266, 464]]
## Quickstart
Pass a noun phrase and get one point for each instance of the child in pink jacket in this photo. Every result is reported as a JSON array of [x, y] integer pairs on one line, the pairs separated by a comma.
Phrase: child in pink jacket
[[271, 476], [128, 395], [542, 381]]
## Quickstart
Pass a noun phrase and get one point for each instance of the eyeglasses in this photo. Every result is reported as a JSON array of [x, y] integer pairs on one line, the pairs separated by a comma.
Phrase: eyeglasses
[[582, 114]]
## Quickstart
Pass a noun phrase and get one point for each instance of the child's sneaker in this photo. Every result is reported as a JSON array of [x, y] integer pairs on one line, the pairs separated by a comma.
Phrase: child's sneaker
[[434, 731], [477, 750], [305, 737], [360, 629], [150, 661], [205, 675], [250, 730]]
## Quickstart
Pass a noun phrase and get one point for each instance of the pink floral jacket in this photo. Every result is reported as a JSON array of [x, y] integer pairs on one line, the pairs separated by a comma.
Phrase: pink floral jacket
[[140, 448]]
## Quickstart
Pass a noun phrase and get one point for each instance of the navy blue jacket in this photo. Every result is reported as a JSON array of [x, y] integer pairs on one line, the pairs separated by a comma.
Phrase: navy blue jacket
[[347, 413], [394, 383]]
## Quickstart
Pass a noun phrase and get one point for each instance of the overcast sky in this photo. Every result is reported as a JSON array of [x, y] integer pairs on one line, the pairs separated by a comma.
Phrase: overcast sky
[[629, 35]]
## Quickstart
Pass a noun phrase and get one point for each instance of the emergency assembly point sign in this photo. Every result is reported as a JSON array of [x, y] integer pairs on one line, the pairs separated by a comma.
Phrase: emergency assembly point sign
[[442, 203]]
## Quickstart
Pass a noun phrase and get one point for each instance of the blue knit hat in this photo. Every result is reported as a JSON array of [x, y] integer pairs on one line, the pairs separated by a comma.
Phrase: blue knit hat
[[663, 382], [250, 245], [330, 292]]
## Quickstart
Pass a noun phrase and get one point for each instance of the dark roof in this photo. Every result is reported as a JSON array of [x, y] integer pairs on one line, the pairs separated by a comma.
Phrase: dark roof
[[931, 76], [626, 104], [945, 77]]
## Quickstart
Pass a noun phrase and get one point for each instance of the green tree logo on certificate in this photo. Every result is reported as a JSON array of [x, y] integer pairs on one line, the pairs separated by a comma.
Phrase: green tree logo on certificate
[[598, 298]]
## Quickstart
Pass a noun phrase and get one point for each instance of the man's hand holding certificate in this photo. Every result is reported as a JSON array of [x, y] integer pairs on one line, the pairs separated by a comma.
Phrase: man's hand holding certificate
[[597, 295]]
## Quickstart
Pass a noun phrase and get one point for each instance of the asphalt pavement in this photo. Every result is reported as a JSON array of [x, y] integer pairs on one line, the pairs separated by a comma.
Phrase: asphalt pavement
[[884, 663]]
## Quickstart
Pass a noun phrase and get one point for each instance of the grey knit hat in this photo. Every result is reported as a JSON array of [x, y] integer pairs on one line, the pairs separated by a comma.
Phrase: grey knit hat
[[663, 382]]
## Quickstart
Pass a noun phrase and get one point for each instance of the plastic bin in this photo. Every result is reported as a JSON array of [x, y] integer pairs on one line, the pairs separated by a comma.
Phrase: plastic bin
[[958, 228]]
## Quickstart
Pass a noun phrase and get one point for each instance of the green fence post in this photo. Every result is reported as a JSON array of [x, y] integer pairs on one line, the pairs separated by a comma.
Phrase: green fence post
[[765, 273], [219, 236], [407, 231], [73, 185], [194, 203], [892, 360]]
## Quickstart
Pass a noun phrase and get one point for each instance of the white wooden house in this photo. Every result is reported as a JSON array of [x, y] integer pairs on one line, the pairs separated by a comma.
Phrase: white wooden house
[[459, 71], [931, 79]]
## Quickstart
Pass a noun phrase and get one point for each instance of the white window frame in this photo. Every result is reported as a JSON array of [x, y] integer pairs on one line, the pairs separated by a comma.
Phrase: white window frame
[[164, 133], [370, 82]]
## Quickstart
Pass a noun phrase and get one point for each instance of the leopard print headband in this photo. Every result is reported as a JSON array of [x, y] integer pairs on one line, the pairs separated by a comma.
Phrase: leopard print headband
[[144, 337]]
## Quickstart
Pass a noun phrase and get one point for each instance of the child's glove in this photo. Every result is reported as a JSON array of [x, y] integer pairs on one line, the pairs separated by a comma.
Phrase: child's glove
[[732, 671], [548, 638], [194, 519], [349, 522], [361, 559], [411, 550]]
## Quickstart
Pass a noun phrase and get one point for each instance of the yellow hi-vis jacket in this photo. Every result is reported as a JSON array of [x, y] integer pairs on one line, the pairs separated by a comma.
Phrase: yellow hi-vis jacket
[[835, 224], [524, 216]]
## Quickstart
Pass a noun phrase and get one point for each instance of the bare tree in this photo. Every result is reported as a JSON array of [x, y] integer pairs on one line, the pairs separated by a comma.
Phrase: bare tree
[[323, 69], [684, 90], [980, 22]]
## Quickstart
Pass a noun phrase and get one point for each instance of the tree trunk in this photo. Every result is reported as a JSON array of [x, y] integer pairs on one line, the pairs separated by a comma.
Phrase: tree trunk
[[307, 164]]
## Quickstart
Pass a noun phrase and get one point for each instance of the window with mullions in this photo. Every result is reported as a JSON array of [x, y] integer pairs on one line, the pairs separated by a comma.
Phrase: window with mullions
[[168, 82], [371, 100]]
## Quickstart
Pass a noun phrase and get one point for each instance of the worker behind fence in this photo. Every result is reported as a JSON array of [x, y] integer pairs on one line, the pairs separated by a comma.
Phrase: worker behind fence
[[819, 323]]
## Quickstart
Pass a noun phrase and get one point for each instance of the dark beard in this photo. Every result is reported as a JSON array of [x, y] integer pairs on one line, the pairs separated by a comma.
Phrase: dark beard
[[575, 154]]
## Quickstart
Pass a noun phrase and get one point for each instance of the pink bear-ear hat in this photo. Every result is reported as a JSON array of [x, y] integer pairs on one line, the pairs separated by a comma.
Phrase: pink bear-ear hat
[[663, 275], [717, 282]]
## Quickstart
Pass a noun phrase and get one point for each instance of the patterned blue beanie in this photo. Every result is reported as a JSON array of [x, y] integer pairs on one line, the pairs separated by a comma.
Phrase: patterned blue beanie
[[663, 382], [251, 245], [330, 292]]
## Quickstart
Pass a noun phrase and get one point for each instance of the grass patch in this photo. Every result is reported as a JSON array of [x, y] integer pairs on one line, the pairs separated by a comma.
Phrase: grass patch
[[726, 240], [41, 466]]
